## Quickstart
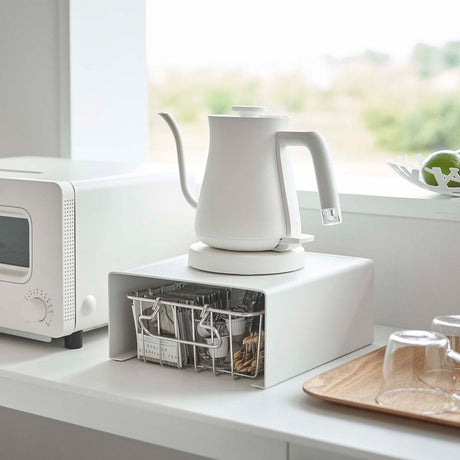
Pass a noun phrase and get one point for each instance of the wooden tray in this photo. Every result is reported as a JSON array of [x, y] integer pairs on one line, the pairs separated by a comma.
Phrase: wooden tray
[[357, 383]]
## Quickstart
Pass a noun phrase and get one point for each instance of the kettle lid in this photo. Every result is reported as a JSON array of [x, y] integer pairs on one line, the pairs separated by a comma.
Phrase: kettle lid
[[249, 110]]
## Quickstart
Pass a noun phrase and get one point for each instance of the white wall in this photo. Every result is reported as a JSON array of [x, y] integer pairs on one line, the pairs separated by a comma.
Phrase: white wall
[[29, 78], [416, 261], [73, 79]]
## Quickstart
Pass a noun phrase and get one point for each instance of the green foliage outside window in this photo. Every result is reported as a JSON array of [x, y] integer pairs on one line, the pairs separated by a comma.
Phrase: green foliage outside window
[[372, 107], [430, 126], [430, 60]]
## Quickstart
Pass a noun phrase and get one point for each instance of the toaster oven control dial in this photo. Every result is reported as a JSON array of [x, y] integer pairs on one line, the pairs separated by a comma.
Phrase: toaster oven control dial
[[35, 307], [34, 310]]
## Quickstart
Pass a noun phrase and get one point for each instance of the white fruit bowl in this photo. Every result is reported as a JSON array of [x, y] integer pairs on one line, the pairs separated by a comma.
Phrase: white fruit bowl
[[412, 174]]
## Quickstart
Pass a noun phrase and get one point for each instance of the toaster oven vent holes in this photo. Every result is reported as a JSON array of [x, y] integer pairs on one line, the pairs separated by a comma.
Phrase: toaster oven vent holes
[[69, 262]]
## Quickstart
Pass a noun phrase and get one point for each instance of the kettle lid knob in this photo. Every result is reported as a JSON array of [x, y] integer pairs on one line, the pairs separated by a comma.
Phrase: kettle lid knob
[[249, 110]]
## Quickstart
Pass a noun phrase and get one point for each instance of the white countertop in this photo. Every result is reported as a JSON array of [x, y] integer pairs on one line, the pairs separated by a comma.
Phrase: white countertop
[[200, 413]]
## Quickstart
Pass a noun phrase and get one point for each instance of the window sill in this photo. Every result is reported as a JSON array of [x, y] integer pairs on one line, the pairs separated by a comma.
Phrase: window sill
[[386, 196]]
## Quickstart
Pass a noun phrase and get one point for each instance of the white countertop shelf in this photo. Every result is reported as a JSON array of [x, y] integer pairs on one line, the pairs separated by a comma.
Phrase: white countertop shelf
[[388, 196], [198, 412]]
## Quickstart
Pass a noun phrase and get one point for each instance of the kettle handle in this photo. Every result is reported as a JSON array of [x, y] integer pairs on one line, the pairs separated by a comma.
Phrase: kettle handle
[[329, 198]]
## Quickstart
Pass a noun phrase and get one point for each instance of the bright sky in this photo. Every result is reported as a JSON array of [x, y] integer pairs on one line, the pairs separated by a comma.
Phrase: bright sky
[[289, 33]]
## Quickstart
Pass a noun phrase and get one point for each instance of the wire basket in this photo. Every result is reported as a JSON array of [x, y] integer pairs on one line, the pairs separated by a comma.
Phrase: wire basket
[[182, 333]]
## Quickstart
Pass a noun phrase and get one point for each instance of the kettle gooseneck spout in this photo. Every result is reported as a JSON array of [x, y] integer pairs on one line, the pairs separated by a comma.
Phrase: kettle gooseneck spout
[[180, 158]]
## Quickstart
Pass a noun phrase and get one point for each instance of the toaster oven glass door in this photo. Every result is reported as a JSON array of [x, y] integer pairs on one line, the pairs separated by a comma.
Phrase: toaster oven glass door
[[14, 241], [15, 245]]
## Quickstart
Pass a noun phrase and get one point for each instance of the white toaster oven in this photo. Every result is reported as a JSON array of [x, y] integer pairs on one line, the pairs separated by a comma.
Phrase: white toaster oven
[[65, 224]]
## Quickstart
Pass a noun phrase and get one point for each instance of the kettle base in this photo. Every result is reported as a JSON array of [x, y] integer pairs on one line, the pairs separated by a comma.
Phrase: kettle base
[[209, 259]]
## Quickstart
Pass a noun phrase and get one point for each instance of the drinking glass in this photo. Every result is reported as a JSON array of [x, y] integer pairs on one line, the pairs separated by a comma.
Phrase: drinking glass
[[448, 377], [449, 325], [408, 356]]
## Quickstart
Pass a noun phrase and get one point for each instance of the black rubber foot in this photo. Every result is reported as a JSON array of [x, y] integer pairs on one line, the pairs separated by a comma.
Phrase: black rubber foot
[[74, 341]]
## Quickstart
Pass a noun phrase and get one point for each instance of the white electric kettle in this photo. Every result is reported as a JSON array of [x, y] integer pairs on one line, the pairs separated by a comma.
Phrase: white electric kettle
[[248, 218]]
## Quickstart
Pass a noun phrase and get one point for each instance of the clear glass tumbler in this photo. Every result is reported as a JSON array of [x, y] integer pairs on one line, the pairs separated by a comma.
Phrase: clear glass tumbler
[[449, 325], [448, 377], [408, 356]]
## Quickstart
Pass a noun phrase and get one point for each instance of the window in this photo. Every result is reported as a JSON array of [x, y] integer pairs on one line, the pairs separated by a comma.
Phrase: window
[[377, 79]]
